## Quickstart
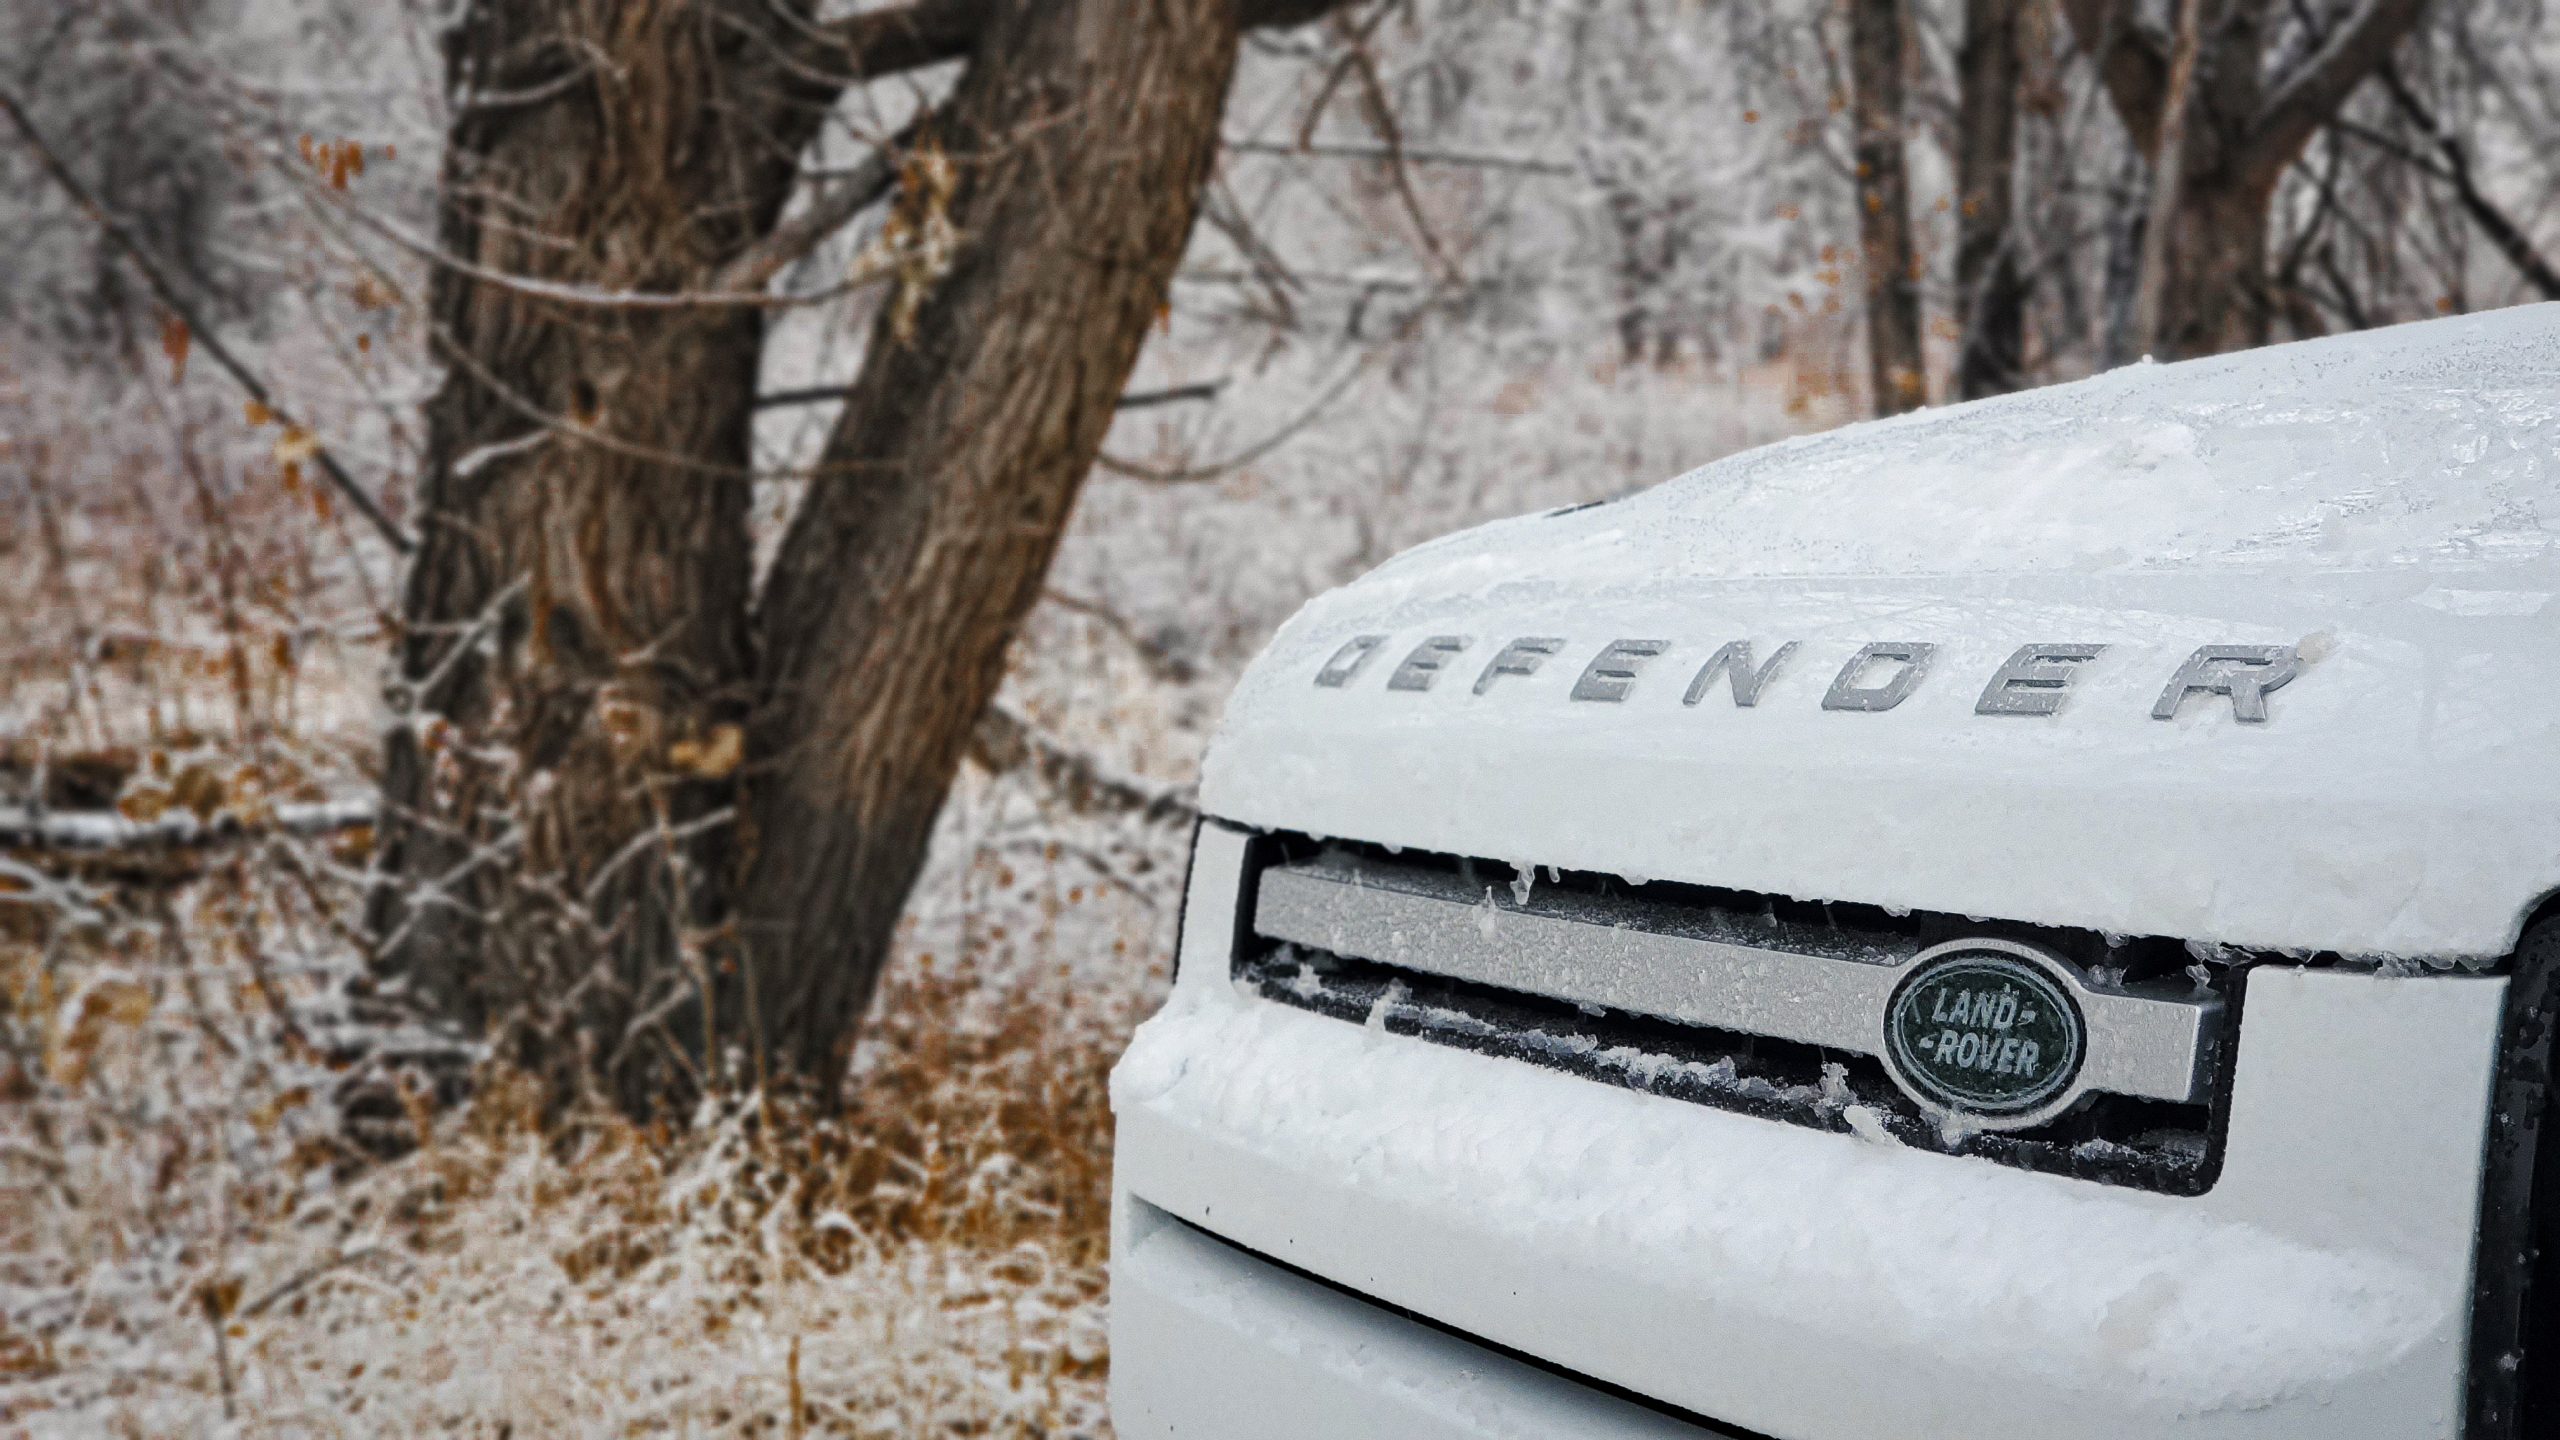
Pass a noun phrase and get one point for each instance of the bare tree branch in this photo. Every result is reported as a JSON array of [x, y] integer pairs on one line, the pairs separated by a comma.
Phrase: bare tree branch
[[2504, 233], [869, 182], [161, 287], [1133, 400], [1004, 742], [2311, 95], [1412, 155], [1381, 116], [1190, 474], [751, 295], [874, 43], [1160, 662]]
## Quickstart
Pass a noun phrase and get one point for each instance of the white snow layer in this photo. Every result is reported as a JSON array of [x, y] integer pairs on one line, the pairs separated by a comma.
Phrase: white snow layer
[[2045, 1284], [2388, 503], [2428, 442]]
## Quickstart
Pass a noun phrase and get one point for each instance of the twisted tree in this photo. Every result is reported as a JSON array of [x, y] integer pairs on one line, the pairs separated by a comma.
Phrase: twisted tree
[[642, 821]]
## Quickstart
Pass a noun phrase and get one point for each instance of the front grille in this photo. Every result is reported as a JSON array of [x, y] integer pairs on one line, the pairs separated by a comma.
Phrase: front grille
[[1743, 1065]]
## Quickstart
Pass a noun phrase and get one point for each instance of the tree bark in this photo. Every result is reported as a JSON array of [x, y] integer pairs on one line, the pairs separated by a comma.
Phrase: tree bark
[[1897, 372], [1990, 287], [576, 613], [2168, 174], [1082, 134], [2244, 130], [638, 823]]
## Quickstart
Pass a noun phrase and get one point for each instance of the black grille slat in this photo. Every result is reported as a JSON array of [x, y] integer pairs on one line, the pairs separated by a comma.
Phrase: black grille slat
[[2108, 1139]]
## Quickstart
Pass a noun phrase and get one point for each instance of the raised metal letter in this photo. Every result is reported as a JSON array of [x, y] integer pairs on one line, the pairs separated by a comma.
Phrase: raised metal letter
[[2033, 680], [1612, 672], [1346, 662], [1734, 662], [1423, 666], [2246, 673], [1521, 657], [1847, 694]]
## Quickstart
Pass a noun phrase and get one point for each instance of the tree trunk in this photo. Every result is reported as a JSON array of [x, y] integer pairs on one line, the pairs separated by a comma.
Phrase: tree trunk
[[1897, 372], [575, 635], [1990, 288], [2168, 175], [638, 824], [2245, 128], [2214, 292], [1082, 133]]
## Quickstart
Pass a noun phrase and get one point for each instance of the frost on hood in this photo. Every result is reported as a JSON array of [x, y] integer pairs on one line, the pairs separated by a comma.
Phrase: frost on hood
[[2298, 456], [2386, 503]]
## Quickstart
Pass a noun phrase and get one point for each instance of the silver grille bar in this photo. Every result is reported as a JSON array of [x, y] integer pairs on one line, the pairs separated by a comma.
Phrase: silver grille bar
[[1767, 978]]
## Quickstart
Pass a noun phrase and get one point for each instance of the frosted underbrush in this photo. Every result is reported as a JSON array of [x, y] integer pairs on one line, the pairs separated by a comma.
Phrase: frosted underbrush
[[187, 1244], [188, 1248]]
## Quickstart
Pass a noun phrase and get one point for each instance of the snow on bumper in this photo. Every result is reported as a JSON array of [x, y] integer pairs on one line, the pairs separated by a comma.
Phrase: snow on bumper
[[1209, 1342], [1816, 1285]]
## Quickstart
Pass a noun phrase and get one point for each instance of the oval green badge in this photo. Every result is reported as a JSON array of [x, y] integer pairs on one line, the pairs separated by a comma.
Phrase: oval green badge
[[1983, 1033]]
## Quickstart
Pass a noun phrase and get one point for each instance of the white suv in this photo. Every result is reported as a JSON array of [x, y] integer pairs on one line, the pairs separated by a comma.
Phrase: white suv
[[2022, 920]]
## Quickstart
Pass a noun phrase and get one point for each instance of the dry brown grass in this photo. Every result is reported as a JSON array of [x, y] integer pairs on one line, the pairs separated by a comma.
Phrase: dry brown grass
[[186, 1239]]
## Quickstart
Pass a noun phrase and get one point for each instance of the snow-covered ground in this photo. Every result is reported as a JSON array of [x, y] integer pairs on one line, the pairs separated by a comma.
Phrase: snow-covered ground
[[184, 1249], [1643, 213]]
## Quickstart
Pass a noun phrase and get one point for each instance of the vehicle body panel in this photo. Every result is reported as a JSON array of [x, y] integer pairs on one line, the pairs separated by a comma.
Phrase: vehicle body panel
[[1734, 1267], [2392, 512], [2383, 510]]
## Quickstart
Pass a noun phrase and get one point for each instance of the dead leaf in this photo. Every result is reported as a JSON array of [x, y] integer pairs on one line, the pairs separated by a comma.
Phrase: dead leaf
[[28, 1357], [713, 757], [143, 804], [200, 788], [174, 340], [219, 1297], [268, 1115]]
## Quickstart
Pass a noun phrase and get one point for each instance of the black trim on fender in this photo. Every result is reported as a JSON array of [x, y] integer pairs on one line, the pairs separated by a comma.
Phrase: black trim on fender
[[1182, 909], [2515, 1277]]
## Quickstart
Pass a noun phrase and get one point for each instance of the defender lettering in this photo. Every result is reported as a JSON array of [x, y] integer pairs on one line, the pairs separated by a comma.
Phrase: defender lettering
[[1877, 677]]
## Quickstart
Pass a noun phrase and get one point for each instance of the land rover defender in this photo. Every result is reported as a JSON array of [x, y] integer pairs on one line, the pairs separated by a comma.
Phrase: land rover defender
[[2026, 919]]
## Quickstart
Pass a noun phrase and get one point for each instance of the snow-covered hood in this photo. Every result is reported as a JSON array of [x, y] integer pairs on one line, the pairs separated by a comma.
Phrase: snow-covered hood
[[2377, 515]]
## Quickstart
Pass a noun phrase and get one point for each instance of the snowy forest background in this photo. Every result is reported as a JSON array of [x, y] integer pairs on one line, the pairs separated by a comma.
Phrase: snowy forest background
[[1454, 260]]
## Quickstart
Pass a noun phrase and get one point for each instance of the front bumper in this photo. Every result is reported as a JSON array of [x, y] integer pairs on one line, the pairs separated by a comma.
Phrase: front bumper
[[1783, 1281], [1208, 1340]]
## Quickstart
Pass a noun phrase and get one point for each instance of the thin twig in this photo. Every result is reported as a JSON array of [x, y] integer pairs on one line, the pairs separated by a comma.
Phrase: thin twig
[[1133, 400], [1381, 116], [304, 1276], [833, 208], [1006, 741], [562, 292], [2505, 236], [1412, 154], [1189, 474], [1162, 663]]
